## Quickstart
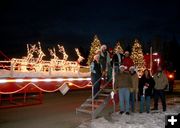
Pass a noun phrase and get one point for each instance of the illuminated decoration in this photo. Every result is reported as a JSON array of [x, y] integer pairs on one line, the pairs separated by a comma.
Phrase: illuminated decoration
[[30, 62], [40, 54], [33, 74], [118, 48], [95, 45], [42, 80], [41, 84], [33, 64], [53, 53], [62, 50], [80, 58], [62, 64], [138, 57]]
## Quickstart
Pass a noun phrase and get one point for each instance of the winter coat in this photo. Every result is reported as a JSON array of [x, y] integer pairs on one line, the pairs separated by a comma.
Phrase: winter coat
[[142, 82], [96, 69], [104, 60], [161, 81], [117, 59], [135, 82], [123, 80], [127, 61]]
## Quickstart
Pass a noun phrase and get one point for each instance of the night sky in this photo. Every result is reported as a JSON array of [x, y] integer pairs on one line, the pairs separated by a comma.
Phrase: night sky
[[73, 23]]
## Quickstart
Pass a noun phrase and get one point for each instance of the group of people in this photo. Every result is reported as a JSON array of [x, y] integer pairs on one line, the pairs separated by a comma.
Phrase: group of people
[[127, 83]]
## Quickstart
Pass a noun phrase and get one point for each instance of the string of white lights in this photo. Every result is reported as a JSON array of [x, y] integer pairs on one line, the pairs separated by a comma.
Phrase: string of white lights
[[41, 89], [15, 91]]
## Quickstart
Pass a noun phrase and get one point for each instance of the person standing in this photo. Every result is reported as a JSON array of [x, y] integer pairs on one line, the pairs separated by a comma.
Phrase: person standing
[[146, 85], [134, 89], [127, 61], [117, 60], [161, 82], [96, 74], [123, 83], [104, 61]]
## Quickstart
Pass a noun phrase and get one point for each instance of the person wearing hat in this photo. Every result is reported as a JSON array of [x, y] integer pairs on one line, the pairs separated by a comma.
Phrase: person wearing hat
[[134, 89], [127, 61], [104, 61], [123, 83], [96, 74], [111, 53]]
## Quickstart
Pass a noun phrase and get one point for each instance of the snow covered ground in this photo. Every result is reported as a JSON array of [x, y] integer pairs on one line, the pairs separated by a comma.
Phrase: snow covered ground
[[134, 120], [16, 74]]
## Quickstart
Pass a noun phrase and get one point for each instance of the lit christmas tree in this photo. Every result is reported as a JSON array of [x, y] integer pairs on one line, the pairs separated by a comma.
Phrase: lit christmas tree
[[138, 57], [95, 45], [118, 48]]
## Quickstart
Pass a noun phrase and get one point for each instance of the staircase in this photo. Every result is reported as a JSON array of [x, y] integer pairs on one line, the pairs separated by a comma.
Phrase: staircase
[[93, 106]]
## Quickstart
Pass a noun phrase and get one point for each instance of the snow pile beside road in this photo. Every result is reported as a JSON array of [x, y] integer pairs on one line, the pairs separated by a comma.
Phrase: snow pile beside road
[[135, 120]]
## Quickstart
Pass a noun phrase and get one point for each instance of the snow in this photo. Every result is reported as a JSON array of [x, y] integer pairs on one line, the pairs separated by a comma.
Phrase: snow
[[16, 74], [134, 120]]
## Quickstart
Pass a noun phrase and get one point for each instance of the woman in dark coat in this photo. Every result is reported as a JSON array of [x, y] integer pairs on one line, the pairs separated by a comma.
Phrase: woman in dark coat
[[146, 85], [96, 74]]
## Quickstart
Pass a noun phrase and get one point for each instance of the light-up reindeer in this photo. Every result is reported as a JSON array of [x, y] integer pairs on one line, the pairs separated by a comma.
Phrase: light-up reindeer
[[30, 51], [40, 54], [80, 58], [62, 50], [53, 53]]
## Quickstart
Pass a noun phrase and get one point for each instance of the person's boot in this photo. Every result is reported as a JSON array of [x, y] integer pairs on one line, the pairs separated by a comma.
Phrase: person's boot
[[164, 109], [121, 112], [127, 113]]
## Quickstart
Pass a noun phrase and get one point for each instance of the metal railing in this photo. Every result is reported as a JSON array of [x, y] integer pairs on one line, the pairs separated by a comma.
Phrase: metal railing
[[94, 96], [112, 79]]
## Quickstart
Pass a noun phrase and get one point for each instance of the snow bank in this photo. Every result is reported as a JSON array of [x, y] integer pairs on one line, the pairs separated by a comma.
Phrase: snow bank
[[135, 120]]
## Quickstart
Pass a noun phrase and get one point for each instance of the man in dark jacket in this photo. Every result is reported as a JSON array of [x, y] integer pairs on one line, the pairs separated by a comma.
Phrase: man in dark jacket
[[117, 60]]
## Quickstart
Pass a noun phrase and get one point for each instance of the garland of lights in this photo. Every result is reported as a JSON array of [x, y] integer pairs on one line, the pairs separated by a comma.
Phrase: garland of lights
[[41, 89]]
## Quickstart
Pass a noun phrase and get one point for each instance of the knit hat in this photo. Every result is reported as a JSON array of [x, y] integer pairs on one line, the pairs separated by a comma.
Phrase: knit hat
[[122, 66], [132, 68], [103, 46], [126, 52]]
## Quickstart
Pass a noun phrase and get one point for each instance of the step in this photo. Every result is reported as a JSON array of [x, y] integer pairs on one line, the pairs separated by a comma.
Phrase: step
[[90, 105], [101, 94], [83, 110], [96, 100], [107, 90]]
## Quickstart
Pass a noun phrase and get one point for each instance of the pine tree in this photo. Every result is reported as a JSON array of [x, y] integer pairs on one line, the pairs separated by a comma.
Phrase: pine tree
[[118, 48], [138, 57], [95, 45]]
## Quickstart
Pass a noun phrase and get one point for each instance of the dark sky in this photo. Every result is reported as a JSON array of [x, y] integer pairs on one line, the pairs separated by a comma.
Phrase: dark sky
[[75, 22]]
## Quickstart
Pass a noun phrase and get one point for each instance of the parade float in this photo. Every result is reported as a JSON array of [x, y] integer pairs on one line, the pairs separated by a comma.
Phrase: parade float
[[33, 74]]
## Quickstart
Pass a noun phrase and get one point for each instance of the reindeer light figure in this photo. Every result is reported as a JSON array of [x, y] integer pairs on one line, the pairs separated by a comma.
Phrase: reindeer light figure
[[40, 53], [53, 53], [30, 52], [62, 50], [80, 58]]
